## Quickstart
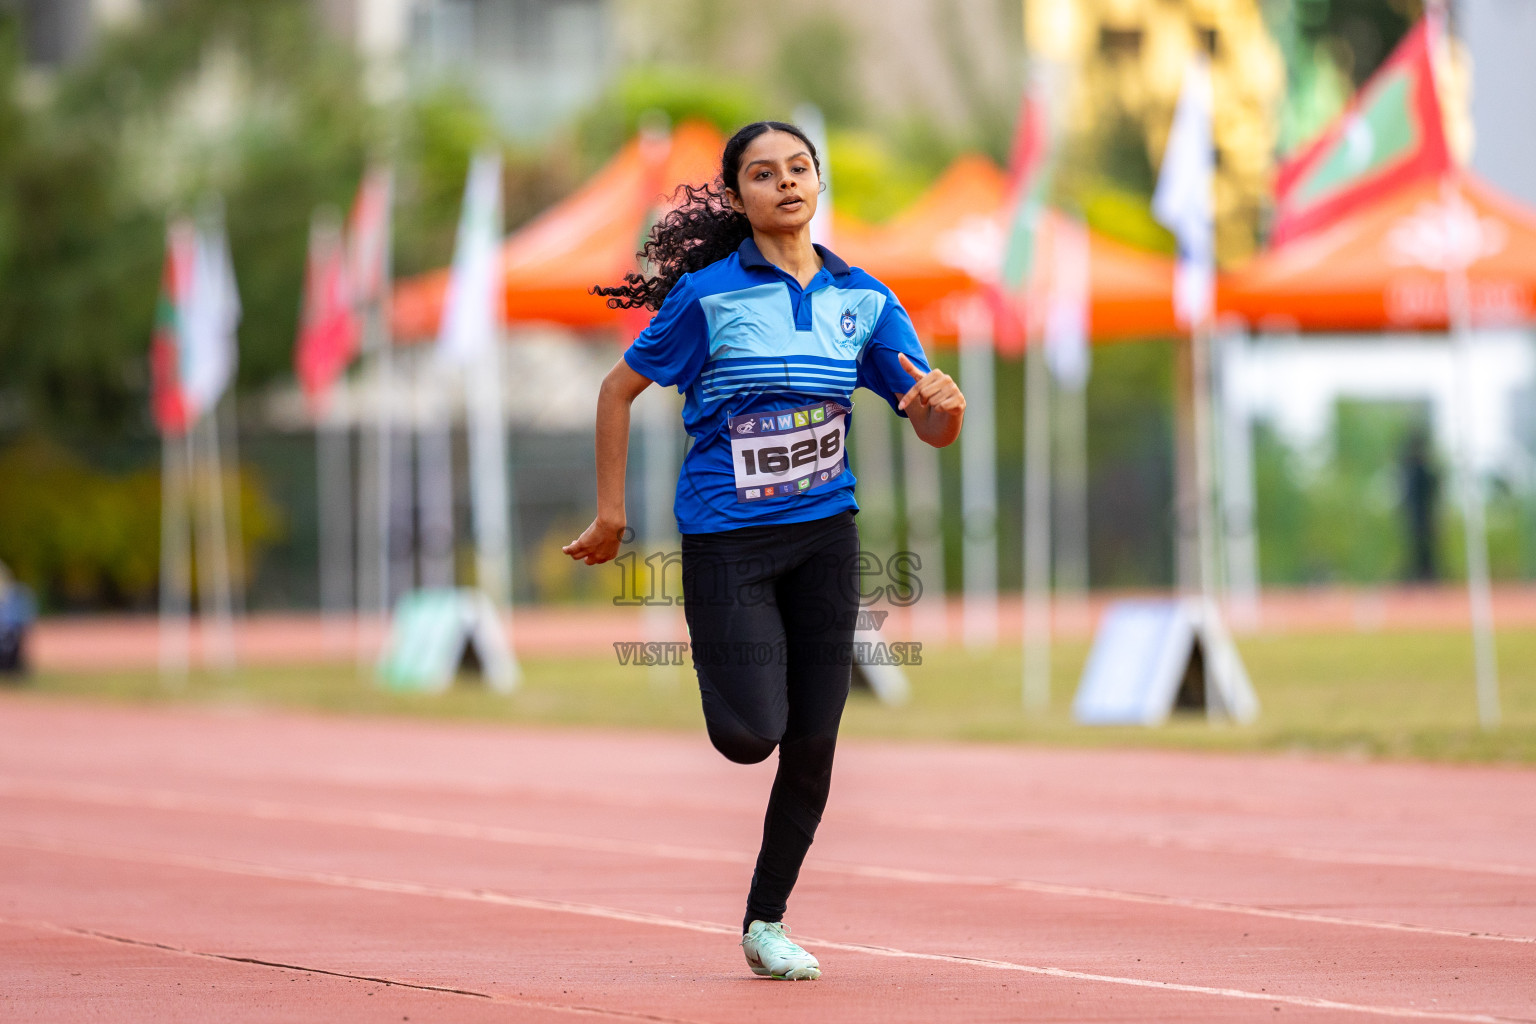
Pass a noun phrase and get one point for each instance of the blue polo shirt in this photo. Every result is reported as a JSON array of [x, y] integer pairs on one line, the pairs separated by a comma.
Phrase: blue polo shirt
[[768, 370]]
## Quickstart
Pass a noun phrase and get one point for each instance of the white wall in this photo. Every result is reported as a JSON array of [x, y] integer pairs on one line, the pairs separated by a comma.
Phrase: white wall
[[1296, 383]]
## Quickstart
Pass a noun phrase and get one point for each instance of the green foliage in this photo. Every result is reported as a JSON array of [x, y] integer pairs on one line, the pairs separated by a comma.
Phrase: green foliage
[[870, 179], [247, 101], [1343, 519], [679, 93], [1123, 216], [817, 62], [79, 537]]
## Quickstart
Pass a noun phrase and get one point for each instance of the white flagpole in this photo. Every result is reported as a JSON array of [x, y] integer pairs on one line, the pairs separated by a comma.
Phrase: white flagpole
[[375, 448], [375, 485], [1237, 521], [875, 468], [491, 491], [658, 419], [1070, 515], [434, 476], [1469, 488], [175, 564], [1066, 352], [1037, 527], [925, 534], [228, 439], [213, 583], [978, 480], [333, 463]]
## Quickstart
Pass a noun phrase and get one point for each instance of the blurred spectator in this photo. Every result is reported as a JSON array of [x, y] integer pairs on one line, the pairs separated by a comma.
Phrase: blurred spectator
[[16, 615], [1421, 498]]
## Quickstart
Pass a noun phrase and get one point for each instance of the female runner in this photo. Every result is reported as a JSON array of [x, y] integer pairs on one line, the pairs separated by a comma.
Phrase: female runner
[[767, 336]]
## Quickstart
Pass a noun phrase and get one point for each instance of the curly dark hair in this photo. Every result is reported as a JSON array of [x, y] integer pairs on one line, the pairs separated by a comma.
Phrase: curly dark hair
[[701, 228]]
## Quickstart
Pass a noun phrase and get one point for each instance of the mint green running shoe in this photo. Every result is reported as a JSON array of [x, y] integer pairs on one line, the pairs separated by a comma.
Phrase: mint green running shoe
[[771, 953]]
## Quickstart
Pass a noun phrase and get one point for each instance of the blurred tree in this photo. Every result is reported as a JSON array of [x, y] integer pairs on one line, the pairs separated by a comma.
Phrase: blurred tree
[[247, 101], [80, 537], [677, 92], [817, 62], [871, 179]]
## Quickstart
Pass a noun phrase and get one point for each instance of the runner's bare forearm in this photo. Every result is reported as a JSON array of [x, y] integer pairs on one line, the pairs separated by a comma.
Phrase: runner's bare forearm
[[620, 388], [935, 426], [600, 541]]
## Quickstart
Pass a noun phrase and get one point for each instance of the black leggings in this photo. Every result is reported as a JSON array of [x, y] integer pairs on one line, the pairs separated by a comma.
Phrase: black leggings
[[771, 612]]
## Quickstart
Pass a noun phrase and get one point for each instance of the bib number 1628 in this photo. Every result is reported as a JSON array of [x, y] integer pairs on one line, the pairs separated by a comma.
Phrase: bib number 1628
[[777, 460]]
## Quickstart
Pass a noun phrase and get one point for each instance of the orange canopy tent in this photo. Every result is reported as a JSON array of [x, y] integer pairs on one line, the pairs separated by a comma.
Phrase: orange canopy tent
[[938, 254], [589, 238], [1385, 266], [935, 255]]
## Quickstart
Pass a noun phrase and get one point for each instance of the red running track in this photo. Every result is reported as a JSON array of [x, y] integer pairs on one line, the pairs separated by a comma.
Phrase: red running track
[[191, 865]]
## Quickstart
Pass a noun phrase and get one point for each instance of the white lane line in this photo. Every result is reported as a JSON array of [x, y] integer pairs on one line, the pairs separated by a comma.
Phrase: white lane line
[[930, 822], [1198, 844], [269, 810], [400, 888], [575, 1008]]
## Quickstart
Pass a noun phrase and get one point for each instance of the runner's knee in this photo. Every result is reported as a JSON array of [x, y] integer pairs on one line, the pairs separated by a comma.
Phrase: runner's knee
[[738, 743]]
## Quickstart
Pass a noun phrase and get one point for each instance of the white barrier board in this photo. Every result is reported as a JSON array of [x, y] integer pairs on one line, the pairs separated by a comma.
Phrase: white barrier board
[[1141, 654], [432, 631]]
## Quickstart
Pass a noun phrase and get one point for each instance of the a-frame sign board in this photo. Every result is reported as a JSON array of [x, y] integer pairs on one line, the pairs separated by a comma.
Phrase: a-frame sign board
[[873, 671], [1151, 658], [435, 633]]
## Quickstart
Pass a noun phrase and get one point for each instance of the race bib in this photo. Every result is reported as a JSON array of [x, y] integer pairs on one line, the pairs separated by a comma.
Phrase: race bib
[[789, 451]]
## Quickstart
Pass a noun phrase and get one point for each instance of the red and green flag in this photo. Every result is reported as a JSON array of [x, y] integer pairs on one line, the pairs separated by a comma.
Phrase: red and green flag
[[1028, 174], [329, 332], [169, 399], [1391, 134]]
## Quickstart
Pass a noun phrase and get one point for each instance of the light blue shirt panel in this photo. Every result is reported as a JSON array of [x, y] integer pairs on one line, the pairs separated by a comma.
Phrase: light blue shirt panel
[[827, 308], [748, 321]]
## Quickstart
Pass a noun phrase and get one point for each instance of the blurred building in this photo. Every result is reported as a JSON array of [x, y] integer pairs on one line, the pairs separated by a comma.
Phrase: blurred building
[[1119, 60], [896, 60], [1500, 38], [533, 63], [55, 32]]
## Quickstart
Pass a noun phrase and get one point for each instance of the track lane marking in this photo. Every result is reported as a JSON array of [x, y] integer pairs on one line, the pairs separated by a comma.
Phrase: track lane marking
[[576, 1008], [270, 810], [929, 822], [394, 887]]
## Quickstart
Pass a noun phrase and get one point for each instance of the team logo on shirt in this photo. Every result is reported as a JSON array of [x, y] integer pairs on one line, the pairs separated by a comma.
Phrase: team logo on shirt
[[849, 322]]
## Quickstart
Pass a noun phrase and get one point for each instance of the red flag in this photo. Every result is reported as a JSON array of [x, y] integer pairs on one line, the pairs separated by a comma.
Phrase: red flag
[[1027, 177], [369, 233], [1390, 135], [328, 335], [169, 401]]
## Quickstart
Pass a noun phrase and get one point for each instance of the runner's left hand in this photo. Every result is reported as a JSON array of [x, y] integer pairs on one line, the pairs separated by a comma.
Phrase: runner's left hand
[[933, 390]]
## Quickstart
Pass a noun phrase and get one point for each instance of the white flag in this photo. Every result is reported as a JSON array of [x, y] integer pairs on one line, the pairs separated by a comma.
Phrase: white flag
[[472, 316], [808, 117], [1185, 199], [1066, 314], [212, 313]]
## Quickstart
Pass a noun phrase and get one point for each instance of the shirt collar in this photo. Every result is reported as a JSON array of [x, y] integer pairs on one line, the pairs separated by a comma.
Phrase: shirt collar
[[752, 256]]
